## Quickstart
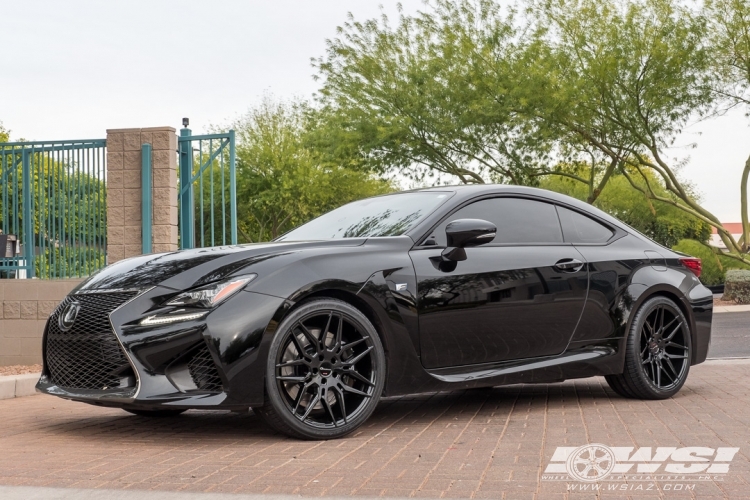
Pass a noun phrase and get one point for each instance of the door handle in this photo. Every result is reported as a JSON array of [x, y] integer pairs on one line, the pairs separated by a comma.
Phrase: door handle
[[569, 265]]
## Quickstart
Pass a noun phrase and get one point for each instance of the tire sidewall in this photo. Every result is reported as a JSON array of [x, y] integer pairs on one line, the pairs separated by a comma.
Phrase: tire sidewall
[[634, 350], [272, 392]]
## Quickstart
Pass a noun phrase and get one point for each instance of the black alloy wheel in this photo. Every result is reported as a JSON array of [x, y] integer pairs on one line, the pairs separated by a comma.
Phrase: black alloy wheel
[[658, 352], [325, 373]]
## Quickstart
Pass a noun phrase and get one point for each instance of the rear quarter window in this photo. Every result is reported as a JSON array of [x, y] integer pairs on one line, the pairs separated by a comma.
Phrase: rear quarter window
[[578, 228]]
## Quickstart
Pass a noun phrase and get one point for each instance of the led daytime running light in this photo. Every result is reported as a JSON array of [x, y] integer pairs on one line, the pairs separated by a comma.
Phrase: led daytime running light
[[174, 318]]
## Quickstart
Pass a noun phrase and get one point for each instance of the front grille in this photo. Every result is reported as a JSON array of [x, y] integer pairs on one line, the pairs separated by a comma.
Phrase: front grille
[[203, 371], [88, 355]]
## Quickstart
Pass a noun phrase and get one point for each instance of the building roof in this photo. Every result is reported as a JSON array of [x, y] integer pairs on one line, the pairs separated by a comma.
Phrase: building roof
[[732, 227]]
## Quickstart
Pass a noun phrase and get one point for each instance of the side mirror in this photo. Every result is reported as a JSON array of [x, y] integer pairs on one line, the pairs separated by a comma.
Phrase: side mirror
[[465, 233]]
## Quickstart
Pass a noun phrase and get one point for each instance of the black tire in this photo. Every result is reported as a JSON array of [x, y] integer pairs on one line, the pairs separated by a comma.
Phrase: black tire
[[155, 413], [616, 383], [325, 371], [657, 352]]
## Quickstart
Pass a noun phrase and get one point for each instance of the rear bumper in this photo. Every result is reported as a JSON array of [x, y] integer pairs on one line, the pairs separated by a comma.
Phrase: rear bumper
[[701, 302]]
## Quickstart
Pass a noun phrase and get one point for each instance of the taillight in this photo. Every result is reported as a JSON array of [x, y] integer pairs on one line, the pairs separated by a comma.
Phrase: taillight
[[693, 264]]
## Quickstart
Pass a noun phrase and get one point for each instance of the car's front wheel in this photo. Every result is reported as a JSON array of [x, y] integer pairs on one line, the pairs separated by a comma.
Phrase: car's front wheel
[[325, 372], [658, 349]]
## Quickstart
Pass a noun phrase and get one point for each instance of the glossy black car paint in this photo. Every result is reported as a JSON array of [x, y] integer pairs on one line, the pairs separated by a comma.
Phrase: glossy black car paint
[[567, 325]]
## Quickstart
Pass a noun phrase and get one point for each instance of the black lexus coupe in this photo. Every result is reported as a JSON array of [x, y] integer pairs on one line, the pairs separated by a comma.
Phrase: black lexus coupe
[[428, 290]]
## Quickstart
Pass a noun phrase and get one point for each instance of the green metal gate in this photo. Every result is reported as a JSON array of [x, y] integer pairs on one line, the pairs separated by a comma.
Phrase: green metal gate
[[53, 201], [207, 190]]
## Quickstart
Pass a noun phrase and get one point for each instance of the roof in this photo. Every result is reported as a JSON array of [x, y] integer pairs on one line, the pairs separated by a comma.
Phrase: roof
[[467, 191], [732, 227]]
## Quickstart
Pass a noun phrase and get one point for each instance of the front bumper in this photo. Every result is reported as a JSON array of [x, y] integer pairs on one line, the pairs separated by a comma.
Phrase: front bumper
[[216, 362]]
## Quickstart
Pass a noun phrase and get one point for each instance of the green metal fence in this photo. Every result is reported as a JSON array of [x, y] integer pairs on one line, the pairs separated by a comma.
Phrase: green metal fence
[[207, 191], [53, 199]]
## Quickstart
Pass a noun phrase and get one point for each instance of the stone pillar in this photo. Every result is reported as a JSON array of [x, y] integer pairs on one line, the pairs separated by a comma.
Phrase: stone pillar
[[124, 190]]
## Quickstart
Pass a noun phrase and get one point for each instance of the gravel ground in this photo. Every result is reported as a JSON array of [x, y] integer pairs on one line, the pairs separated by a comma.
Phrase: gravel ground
[[718, 302], [19, 369]]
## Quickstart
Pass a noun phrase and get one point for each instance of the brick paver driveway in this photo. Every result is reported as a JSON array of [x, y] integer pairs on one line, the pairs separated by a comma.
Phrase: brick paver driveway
[[472, 444]]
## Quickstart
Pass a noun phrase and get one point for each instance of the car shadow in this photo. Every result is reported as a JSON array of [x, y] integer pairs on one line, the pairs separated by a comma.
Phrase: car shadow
[[392, 414]]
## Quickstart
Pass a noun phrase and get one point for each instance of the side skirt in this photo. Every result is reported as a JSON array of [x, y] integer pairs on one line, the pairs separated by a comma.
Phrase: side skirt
[[579, 361]]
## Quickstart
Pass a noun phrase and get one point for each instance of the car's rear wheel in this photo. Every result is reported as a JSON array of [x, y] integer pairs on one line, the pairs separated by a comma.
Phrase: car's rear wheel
[[154, 413], [658, 349], [325, 373]]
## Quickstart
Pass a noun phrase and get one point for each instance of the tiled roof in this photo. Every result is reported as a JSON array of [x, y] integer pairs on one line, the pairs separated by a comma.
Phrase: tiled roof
[[732, 227]]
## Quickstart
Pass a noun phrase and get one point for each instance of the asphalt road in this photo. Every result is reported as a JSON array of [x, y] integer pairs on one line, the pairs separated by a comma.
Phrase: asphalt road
[[730, 337]]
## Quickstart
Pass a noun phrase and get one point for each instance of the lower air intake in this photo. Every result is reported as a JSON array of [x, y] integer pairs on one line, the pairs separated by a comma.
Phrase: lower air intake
[[203, 371]]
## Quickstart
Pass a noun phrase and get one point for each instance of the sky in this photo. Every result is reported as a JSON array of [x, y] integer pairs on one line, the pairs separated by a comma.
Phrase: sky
[[72, 69]]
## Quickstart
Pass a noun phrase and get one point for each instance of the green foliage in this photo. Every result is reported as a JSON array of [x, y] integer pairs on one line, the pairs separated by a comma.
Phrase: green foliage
[[730, 36], [663, 223], [281, 181], [730, 40], [737, 286], [625, 76], [4, 134], [430, 96]]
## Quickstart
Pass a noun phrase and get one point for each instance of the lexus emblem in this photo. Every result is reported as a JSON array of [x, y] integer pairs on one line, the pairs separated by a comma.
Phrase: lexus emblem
[[68, 316]]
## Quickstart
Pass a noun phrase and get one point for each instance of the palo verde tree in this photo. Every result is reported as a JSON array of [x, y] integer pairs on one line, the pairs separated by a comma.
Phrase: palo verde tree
[[431, 94], [729, 23], [469, 90], [625, 77]]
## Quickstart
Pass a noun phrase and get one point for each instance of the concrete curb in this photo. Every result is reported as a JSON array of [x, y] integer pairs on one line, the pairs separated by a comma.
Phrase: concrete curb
[[731, 309], [16, 386], [727, 361]]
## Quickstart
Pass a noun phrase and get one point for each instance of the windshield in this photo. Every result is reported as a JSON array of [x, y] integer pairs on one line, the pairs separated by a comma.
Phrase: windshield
[[390, 215]]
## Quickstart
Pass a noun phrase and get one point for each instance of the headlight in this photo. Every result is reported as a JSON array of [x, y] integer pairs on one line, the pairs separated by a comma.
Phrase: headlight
[[213, 294]]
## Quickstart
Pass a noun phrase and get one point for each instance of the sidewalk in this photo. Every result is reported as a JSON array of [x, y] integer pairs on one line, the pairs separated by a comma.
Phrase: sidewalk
[[730, 309], [493, 443]]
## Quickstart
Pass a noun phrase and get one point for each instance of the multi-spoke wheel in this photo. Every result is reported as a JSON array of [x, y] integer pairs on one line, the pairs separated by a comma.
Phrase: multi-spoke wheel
[[325, 371], [658, 349]]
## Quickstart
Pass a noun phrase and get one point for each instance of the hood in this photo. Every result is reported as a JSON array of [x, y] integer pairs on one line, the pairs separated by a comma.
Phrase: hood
[[189, 268]]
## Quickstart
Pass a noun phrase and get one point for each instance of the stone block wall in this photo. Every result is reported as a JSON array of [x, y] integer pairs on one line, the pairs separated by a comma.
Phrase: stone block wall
[[26, 305], [124, 190]]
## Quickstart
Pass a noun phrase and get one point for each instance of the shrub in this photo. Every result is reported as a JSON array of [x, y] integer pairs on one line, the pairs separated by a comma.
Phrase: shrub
[[737, 287], [714, 266]]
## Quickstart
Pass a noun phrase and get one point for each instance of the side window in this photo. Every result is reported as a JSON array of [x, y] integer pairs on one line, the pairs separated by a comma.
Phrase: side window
[[518, 221], [581, 229]]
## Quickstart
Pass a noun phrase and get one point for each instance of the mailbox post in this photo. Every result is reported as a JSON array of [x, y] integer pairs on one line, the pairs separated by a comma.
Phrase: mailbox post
[[10, 249], [8, 246]]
